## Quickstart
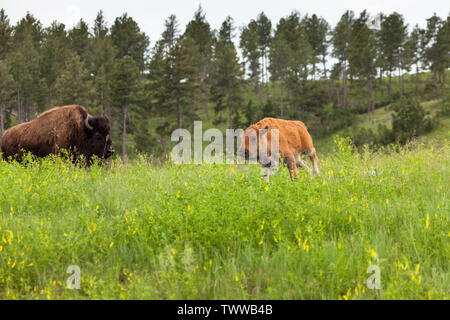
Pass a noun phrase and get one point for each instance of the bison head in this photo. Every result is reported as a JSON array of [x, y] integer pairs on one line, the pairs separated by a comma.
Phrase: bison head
[[251, 140], [99, 142]]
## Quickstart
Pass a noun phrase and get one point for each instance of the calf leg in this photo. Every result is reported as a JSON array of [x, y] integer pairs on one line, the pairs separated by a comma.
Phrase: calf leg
[[313, 157], [301, 163], [266, 173], [292, 166]]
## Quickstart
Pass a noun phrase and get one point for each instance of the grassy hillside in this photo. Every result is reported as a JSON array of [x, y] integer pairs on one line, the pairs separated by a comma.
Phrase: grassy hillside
[[220, 232], [383, 115]]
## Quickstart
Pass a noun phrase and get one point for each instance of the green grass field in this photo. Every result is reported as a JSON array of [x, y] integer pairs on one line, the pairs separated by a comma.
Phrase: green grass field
[[219, 232]]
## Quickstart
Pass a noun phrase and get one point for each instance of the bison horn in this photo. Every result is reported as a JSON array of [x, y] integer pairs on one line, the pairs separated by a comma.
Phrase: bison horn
[[86, 123]]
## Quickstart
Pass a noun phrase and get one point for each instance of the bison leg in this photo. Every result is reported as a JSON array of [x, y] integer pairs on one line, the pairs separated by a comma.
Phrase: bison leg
[[313, 157], [301, 163], [266, 173], [292, 166]]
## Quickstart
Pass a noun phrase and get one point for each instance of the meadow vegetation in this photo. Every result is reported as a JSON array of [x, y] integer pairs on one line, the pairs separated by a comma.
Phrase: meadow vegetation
[[166, 231]]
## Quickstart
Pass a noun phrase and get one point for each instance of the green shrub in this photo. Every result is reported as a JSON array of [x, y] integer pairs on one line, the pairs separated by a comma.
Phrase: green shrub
[[409, 120], [384, 136], [445, 104]]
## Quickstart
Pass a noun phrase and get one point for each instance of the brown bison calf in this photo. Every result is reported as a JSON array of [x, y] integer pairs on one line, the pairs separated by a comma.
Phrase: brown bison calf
[[293, 140], [69, 127]]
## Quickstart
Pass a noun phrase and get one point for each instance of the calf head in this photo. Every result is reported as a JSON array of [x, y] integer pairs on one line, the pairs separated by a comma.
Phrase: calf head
[[252, 140]]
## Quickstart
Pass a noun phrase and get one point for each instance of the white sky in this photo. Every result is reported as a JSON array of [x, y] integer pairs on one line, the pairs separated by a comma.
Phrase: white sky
[[151, 14]]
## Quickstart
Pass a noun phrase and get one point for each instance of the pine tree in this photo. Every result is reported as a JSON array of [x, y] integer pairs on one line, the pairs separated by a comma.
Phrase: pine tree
[[73, 85], [393, 34], [227, 85], [129, 40], [250, 45], [54, 52], [24, 66], [183, 83], [414, 46], [103, 57], [437, 54], [80, 39], [159, 96], [279, 64], [316, 31], [100, 28], [125, 88], [265, 38], [341, 39], [363, 54], [443, 44], [6, 92], [6, 31], [28, 26], [200, 31], [175, 79], [293, 30]]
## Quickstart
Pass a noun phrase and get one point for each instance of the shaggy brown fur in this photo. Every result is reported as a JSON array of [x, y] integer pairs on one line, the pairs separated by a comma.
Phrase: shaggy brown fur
[[60, 128], [294, 139]]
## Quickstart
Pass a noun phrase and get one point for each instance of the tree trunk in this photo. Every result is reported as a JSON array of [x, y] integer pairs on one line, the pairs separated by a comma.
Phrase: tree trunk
[[179, 122], [192, 122], [205, 102], [417, 77], [230, 108], [338, 97], [292, 109], [292, 103], [2, 120], [326, 79], [262, 70], [400, 76], [370, 104], [257, 88], [50, 97], [27, 113], [204, 95], [19, 107], [436, 85], [281, 99], [124, 135], [266, 77], [163, 142], [344, 88], [178, 115], [390, 86], [107, 109]]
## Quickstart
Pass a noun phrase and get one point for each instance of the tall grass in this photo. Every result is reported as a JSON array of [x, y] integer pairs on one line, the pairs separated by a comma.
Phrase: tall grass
[[220, 232]]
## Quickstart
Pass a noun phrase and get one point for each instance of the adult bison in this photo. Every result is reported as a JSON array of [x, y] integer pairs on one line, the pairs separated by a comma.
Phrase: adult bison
[[69, 127], [293, 140]]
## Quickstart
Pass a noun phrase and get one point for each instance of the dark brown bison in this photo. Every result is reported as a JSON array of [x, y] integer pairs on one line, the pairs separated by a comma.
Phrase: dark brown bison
[[69, 127]]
